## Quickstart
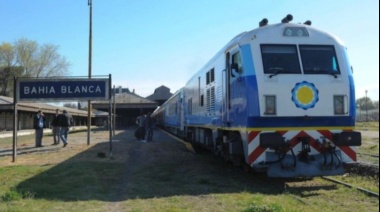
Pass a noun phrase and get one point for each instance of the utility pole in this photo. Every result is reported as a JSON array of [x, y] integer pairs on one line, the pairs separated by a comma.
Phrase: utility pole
[[366, 107], [89, 74]]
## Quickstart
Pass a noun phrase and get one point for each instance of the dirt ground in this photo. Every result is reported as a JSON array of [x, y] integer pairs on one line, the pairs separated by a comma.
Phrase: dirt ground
[[54, 154], [99, 144]]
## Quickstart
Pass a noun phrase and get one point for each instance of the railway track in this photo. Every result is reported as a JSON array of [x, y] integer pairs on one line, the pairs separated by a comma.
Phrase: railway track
[[362, 168], [298, 189], [368, 192], [371, 155], [304, 190]]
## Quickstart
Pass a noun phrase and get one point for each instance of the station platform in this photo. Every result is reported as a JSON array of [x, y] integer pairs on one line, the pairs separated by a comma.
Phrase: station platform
[[7, 134]]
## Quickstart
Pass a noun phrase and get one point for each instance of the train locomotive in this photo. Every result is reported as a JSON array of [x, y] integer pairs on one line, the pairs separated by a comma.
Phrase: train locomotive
[[278, 99]]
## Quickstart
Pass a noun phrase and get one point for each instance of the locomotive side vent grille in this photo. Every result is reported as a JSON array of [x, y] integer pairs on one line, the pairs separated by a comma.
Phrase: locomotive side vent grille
[[210, 106], [212, 101]]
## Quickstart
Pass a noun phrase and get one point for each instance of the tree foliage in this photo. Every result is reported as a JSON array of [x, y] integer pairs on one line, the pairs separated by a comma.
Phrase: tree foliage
[[365, 103], [368, 110], [6, 79], [26, 58]]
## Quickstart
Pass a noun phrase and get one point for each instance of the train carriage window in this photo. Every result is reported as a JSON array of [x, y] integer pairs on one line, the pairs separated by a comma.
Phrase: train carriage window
[[319, 59], [280, 59]]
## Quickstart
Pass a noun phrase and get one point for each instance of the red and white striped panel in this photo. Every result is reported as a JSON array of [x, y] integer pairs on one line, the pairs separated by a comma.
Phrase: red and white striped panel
[[256, 153]]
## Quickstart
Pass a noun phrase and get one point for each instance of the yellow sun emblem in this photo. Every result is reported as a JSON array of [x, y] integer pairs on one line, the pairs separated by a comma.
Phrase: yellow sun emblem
[[305, 95]]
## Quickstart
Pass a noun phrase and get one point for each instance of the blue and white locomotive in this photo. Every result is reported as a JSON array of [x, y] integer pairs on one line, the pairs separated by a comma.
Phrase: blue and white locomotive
[[279, 98]]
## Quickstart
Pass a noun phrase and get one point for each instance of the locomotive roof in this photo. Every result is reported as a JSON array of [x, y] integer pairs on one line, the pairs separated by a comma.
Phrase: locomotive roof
[[278, 29], [270, 30]]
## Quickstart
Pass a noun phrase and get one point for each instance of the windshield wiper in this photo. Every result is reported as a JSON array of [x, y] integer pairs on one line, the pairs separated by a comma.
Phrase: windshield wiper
[[277, 71], [335, 75], [321, 71], [329, 72]]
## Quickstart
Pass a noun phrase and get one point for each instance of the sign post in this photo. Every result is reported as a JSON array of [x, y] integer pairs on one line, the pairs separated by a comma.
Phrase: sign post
[[62, 89], [15, 122], [56, 90]]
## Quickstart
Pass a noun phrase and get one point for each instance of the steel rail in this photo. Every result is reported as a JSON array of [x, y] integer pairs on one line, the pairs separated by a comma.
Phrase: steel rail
[[368, 192], [372, 155]]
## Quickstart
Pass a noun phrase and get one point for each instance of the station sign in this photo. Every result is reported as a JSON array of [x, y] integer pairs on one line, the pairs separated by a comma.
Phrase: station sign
[[62, 89]]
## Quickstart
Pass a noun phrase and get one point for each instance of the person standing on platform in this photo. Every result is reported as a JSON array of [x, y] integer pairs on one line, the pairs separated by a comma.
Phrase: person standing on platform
[[140, 132], [65, 121], [56, 128], [38, 125], [148, 127]]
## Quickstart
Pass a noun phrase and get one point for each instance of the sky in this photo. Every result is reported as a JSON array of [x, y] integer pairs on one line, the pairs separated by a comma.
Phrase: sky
[[145, 44]]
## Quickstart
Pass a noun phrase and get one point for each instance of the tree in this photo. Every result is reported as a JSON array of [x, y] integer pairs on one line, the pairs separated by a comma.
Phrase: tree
[[7, 55], [6, 79], [8, 68], [365, 103], [26, 58], [376, 104]]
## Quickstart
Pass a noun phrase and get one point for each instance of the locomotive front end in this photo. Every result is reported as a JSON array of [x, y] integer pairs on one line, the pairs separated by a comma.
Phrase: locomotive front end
[[306, 99]]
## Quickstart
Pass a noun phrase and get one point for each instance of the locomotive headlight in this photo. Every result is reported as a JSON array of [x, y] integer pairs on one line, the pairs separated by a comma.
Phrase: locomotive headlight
[[340, 105], [295, 32], [270, 105]]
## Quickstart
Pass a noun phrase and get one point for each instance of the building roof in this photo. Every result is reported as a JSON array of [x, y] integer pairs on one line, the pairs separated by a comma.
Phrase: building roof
[[160, 93], [131, 98], [99, 113], [127, 98], [6, 103]]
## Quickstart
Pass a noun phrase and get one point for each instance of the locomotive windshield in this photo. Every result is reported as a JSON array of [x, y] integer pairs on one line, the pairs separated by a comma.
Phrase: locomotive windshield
[[316, 59], [280, 59], [319, 59]]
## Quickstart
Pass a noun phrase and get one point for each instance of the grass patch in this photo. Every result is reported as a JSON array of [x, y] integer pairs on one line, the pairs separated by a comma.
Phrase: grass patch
[[369, 183], [369, 146], [159, 176], [371, 126], [68, 182], [71, 180]]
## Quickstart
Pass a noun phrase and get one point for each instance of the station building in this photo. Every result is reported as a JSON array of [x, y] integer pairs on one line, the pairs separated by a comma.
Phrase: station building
[[125, 106], [27, 111]]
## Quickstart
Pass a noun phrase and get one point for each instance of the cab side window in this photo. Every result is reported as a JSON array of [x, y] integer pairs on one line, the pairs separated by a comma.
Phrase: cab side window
[[237, 66]]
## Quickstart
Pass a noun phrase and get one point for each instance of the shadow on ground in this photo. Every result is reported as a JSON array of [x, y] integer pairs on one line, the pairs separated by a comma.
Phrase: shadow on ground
[[162, 168]]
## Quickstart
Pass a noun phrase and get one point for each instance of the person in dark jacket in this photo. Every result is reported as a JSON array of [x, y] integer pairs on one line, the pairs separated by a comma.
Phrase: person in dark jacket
[[149, 127], [38, 125], [65, 121], [140, 131], [56, 128]]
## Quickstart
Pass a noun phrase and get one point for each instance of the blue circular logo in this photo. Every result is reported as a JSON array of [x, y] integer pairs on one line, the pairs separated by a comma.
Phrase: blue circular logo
[[305, 95]]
